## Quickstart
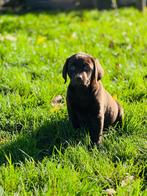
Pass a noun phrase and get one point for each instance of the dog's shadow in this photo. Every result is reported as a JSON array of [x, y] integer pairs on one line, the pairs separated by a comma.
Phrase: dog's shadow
[[57, 134], [53, 134]]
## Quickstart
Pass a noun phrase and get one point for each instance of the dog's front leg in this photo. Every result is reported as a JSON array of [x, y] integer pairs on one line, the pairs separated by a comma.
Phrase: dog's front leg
[[96, 129], [73, 118]]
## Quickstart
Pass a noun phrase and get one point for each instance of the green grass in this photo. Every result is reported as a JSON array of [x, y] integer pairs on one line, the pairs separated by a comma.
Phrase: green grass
[[40, 153]]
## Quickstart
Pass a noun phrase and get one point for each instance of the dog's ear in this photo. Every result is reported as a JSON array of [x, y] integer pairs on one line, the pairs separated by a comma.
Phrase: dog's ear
[[64, 71], [98, 70]]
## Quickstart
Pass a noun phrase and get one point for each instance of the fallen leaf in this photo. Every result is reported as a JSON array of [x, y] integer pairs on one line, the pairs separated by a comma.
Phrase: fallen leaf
[[10, 38], [7, 37], [127, 180], [55, 109], [57, 100], [41, 39], [110, 192]]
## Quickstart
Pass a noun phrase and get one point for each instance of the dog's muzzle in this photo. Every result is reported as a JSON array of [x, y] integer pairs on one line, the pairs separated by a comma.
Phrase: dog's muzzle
[[80, 82]]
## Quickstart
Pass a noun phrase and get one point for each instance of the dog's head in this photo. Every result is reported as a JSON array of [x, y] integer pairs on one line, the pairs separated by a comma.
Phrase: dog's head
[[82, 70]]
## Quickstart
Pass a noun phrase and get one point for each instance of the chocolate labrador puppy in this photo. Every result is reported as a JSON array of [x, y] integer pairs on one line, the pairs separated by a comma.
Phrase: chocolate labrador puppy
[[88, 103]]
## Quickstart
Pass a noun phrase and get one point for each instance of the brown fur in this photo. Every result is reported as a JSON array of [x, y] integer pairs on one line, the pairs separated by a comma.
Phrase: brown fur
[[88, 103]]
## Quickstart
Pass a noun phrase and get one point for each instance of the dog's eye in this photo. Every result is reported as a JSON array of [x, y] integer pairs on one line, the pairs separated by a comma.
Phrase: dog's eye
[[72, 68], [86, 68]]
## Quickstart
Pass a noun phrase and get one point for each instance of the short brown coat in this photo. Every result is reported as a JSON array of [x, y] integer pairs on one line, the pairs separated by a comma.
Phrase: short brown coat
[[88, 103]]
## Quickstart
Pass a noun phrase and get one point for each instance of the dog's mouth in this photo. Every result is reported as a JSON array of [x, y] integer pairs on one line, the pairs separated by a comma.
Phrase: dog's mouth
[[80, 83]]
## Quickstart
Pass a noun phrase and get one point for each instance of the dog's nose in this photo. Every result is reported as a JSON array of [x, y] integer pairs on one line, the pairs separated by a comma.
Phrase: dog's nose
[[78, 77]]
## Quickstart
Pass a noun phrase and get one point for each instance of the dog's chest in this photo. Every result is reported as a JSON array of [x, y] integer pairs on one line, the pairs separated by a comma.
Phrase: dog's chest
[[83, 102]]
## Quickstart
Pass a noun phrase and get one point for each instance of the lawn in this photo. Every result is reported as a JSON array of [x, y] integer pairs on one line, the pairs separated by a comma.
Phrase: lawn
[[40, 153]]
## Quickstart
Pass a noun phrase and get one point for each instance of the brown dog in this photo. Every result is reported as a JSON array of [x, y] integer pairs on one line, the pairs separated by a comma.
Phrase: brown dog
[[88, 103]]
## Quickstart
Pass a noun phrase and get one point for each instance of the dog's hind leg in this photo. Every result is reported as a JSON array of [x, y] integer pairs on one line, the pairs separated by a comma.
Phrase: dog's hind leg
[[120, 116]]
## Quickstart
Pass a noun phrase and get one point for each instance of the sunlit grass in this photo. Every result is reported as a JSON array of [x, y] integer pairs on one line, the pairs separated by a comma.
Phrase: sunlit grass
[[40, 153]]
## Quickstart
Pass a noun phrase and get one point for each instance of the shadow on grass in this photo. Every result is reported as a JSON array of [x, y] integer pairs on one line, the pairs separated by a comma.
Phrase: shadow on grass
[[38, 10], [53, 134], [59, 134], [22, 10], [41, 142]]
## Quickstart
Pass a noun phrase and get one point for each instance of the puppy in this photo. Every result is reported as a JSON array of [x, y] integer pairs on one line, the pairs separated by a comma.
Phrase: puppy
[[88, 103]]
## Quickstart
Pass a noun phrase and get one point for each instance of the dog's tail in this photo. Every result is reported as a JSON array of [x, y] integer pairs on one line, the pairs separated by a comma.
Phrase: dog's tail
[[120, 115]]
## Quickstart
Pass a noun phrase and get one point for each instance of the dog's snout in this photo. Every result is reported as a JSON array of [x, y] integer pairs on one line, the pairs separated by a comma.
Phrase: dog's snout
[[78, 77]]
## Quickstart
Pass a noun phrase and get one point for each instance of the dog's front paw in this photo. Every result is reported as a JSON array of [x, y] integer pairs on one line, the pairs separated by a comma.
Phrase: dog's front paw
[[100, 140]]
